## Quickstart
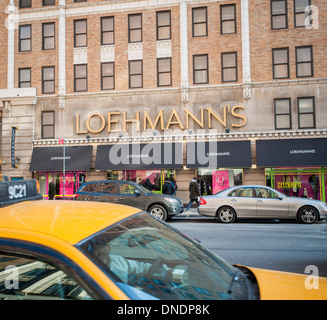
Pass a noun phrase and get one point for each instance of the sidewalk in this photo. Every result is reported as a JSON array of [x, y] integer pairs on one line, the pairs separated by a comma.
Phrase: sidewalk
[[193, 213]]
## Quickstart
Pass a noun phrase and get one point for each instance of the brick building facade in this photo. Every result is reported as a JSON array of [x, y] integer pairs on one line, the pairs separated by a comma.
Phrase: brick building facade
[[108, 72]]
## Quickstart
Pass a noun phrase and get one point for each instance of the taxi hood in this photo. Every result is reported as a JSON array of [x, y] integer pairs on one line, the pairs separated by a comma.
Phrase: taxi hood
[[278, 285]]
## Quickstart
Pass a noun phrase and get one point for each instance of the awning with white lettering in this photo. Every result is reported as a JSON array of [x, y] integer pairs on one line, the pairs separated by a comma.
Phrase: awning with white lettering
[[139, 156], [229, 154], [51, 158], [292, 152]]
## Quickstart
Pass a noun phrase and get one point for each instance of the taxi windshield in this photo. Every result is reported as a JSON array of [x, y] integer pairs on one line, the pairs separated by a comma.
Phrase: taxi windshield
[[148, 259]]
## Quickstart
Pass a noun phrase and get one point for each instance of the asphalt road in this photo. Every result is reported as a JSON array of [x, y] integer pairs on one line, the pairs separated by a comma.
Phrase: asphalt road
[[285, 246]]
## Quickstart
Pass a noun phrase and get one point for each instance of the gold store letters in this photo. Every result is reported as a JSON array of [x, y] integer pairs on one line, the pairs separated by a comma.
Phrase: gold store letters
[[118, 121]]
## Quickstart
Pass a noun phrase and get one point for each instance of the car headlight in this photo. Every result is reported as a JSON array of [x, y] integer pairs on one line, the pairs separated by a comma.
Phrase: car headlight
[[171, 200]]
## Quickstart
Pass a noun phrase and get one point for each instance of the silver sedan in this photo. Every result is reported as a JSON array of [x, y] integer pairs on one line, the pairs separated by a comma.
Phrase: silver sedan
[[253, 201]]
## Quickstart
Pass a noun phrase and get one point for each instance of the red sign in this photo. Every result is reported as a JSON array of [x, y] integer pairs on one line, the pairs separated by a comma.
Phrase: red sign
[[61, 141]]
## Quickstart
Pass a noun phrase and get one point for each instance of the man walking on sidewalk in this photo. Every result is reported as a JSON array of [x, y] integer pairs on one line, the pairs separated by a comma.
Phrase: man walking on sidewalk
[[194, 194]]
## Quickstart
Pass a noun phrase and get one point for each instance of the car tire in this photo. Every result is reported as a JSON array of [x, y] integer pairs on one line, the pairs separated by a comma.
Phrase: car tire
[[226, 215], [159, 212], [308, 215]]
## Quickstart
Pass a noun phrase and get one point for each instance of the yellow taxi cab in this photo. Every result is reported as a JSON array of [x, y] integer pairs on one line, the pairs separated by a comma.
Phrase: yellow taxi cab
[[91, 250]]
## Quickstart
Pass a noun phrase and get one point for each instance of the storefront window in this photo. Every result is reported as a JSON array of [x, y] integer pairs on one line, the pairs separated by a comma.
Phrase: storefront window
[[214, 180], [73, 180], [298, 182], [151, 179]]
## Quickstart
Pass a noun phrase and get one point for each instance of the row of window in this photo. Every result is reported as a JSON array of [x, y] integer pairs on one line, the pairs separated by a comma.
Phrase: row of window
[[279, 14], [282, 112], [229, 70], [305, 109]]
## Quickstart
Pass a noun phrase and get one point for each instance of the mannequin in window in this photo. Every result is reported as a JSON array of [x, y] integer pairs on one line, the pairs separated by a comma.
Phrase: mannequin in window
[[296, 185], [287, 184]]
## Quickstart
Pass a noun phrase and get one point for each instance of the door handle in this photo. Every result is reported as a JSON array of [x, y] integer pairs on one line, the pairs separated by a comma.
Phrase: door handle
[[121, 198], [260, 201]]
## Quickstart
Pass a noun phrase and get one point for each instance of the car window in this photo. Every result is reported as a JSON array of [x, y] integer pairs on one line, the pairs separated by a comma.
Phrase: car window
[[125, 188], [109, 187], [246, 192], [27, 278], [266, 193], [233, 193], [149, 260], [91, 187]]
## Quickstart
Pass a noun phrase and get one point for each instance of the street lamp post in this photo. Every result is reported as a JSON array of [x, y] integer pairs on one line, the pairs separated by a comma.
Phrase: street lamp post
[[63, 142]]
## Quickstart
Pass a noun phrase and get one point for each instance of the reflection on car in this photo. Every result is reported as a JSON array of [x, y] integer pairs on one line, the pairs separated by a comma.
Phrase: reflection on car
[[129, 193], [253, 201]]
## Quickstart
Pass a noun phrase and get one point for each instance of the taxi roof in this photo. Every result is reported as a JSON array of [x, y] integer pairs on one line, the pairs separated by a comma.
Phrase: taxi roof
[[69, 220]]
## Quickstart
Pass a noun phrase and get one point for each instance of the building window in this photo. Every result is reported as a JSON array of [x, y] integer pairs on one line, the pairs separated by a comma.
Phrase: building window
[[80, 77], [300, 15], [283, 119], [304, 62], [25, 4], [164, 72], [24, 78], [306, 113], [163, 25], [25, 38], [199, 18], [48, 79], [80, 33], [281, 68], [48, 36], [135, 28], [48, 2], [135, 74], [107, 31], [229, 67], [48, 125], [279, 14], [107, 76], [200, 69], [228, 19]]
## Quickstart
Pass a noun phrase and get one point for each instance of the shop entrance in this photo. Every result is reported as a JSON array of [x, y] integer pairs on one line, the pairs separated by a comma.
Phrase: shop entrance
[[73, 181], [299, 182]]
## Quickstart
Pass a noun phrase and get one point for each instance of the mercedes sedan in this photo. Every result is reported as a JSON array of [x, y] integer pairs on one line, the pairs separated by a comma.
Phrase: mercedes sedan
[[260, 202]]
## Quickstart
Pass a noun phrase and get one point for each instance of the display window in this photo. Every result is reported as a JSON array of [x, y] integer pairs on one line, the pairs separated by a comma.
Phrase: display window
[[298, 182], [73, 180], [150, 179], [212, 181]]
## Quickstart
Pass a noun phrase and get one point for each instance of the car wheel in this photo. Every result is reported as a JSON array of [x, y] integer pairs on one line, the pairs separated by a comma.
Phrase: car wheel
[[308, 215], [159, 212], [226, 215]]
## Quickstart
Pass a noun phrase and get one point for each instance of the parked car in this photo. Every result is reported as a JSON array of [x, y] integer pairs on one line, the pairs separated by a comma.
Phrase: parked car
[[253, 201], [130, 193]]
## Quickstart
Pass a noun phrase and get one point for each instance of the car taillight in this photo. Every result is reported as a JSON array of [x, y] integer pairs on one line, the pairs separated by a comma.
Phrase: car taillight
[[202, 201]]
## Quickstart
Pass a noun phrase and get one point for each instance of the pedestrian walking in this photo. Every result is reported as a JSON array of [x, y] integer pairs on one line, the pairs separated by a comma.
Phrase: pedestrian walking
[[194, 194]]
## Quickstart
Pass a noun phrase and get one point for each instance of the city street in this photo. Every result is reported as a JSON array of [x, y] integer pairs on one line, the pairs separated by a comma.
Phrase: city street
[[285, 246]]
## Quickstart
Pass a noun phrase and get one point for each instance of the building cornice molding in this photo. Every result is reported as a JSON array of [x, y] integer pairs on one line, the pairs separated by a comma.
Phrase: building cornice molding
[[186, 136]]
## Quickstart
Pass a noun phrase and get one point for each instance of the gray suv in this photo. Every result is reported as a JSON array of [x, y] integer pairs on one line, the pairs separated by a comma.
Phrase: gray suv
[[130, 193]]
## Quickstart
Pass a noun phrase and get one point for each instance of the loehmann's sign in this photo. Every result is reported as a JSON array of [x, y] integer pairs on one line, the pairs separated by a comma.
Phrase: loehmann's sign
[[118, 121]]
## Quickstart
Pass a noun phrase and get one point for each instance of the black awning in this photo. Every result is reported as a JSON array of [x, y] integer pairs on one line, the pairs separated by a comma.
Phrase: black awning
[[139, 156], [51, 159], [292, 152], [229, 154]]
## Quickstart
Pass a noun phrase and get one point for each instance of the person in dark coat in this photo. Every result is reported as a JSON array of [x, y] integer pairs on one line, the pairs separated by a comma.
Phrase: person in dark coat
[[168, 187], [194, 193], [52, 190], [147, 184]]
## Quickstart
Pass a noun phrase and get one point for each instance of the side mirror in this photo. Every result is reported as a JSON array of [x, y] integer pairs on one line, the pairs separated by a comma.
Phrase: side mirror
[[137, 192]]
